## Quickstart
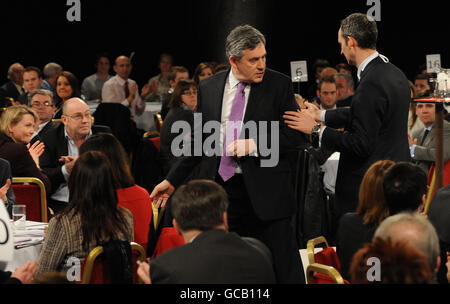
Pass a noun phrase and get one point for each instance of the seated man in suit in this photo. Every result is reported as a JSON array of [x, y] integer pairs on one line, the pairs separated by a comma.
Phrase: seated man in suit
[[423, 151], [32, 80], [41, 101], [211, 254], [13, 88], [61, 149]]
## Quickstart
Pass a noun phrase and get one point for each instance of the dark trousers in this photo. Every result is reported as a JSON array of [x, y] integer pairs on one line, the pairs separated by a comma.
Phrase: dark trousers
[[277, 235]]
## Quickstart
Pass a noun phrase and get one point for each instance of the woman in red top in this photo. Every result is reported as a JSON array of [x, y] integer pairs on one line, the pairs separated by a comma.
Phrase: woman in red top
[[131, 196]]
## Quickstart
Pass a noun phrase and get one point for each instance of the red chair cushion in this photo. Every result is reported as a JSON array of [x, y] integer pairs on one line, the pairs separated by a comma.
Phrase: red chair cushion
[[29, 195], [325, 279], [328, 257], [446, 175], [168, 239], [155, 141]]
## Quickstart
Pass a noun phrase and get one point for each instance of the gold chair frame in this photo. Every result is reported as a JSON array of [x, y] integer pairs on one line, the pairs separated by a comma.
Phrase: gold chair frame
[[43, 198], [312, 244], [324, 269], [94, 253]]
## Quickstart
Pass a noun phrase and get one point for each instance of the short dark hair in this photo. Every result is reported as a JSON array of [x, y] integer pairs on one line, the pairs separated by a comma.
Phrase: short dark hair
[[33, 68], [199, 204], [182, 85], [176, 69], [363, 30], [404, 185], [327, 79]]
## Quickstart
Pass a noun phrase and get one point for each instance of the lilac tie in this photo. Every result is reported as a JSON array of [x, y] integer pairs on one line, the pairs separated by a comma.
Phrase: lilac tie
[[233, 126]]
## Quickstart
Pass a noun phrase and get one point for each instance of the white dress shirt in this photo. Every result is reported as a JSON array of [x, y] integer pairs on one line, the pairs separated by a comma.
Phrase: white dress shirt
[[229, 93], [114, 91]]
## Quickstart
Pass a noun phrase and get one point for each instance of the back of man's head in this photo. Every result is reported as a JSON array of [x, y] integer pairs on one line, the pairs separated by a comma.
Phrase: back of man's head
[[404, 186], [200, 204], [414, 228], [363, 30], [51, 69]]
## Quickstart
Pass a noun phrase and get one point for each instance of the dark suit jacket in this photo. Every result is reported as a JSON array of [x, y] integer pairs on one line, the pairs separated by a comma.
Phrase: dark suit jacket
[[426, 154], [22, 164], [351, 236], [270, 188], [55, 147], [374, 128], [8, 90], [5, 173], [214, 257], [41, 135]]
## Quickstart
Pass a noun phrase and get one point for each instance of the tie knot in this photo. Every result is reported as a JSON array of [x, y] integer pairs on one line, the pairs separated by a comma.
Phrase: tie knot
[[241, 86]]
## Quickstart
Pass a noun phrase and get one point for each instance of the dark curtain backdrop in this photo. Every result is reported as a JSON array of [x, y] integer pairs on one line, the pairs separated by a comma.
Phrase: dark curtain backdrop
[[37, 32]]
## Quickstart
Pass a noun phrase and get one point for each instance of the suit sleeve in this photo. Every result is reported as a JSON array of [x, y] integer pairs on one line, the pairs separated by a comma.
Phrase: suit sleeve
[[358, 140], [337, 118], [51, 166], [423, 153], [159, 274]]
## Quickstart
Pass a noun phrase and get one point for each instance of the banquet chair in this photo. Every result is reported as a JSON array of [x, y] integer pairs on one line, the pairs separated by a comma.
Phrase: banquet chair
[[30, 191], [327, 256], [95, 269], [323, 274], [432, 182], [153, 136], [158, 121]]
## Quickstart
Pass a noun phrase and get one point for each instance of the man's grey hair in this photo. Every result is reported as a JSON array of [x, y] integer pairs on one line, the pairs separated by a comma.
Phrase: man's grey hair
[[347, 77], [51, 68], [241, 38], [363, 30], [40, 92], [415, 229]]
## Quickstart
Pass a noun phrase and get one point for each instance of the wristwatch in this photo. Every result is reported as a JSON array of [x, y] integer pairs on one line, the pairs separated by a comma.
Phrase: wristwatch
[[316, 129]]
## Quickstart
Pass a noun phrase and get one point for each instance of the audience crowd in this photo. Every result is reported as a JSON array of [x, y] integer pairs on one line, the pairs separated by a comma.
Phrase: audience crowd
[[47, 131]]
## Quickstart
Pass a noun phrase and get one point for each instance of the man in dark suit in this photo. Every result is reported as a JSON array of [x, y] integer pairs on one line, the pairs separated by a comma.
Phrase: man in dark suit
[[61, 149], [41, 101], [260, 189], [421, 143], [32, 80], [13, 88], [211, 254], [374, 124]]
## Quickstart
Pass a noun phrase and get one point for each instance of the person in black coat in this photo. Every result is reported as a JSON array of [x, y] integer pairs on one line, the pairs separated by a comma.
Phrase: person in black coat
[[261, 187], [211, 255], [13, 88], [374, 124]]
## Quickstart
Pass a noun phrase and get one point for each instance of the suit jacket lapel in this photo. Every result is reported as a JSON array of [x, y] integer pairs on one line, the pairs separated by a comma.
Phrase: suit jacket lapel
[[253, 100], [214, 99], [371, 64], [429, 138]]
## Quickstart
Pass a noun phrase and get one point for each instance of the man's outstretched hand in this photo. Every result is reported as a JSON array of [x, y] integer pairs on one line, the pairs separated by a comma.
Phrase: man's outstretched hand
[[161, 193]]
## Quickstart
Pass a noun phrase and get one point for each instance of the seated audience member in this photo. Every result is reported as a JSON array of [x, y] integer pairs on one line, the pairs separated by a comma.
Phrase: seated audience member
[[22, 275], [345, 68], [202, 71], [439, 216], [182, 105], [178, 73], [32, 80], [417, 231], [414, 124], [211, 255], [124, 90], [61, 149], [131, 196], [13, 88], [91, 218], [317, 69], [345, 88], [41, 101], [421, 142], [6, 191], [16, 128], [159, 84], [422, 84], [400, 263], [66, 87], [51, 72], [405, 188], [221, 67], [91, 87], [357, 228], [326, 93]]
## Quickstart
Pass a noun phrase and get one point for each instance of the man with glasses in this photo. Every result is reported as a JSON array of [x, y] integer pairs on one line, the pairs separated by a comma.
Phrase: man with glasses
[[61, 149], [41, 101]]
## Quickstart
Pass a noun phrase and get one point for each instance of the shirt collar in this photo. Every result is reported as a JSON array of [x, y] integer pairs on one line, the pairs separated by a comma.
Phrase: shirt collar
[[232, 80], [70, 138], [121, 80], [430, 127], [363, 65]]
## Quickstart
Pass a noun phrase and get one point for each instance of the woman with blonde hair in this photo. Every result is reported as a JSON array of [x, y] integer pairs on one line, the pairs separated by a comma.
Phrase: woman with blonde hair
[[17, 125]]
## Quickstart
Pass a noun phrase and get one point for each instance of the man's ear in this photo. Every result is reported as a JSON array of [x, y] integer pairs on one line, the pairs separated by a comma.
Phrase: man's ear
[[351, 42], [233, 62], [176, 226]]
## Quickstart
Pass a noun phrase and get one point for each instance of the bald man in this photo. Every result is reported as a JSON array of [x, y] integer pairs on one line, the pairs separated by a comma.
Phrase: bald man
[[124, 90], [61, 148], [13, 88]]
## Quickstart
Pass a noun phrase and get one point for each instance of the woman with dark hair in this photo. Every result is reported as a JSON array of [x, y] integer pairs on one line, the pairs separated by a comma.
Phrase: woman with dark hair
[[91, 218], [131, 196], [203, 71], [357, 228], [66, 87], [182, 106]]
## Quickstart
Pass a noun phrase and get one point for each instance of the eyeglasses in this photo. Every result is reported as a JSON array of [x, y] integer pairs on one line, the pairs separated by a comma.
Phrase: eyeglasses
[[37, 104], [79, 116], [189, 93]]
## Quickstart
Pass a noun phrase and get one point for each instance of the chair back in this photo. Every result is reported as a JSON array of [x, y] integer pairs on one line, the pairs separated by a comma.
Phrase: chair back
[[432, 182], [158, 121], [327, 256], [95, 269], [323, 274], [30, 191]]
